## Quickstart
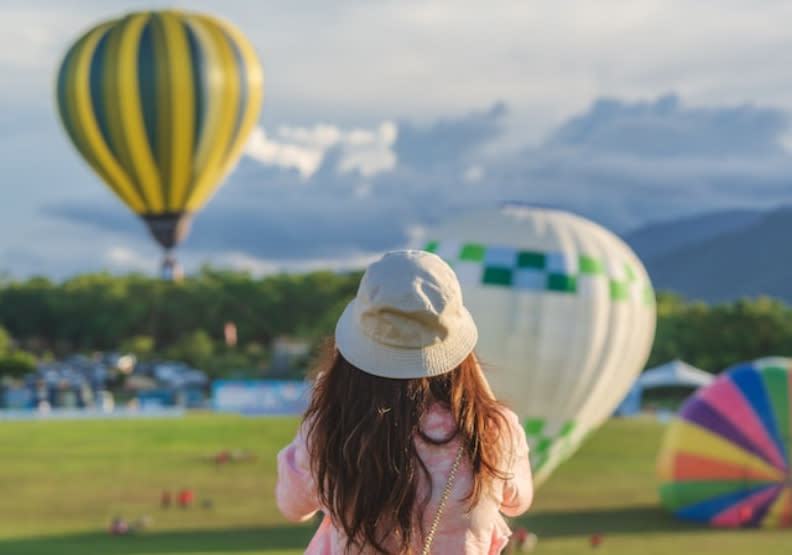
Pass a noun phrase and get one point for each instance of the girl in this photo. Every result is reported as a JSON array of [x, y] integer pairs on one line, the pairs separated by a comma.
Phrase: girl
[[404, 447]]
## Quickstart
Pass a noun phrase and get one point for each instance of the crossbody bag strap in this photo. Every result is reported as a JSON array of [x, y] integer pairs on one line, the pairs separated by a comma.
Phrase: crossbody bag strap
[[443, 500]]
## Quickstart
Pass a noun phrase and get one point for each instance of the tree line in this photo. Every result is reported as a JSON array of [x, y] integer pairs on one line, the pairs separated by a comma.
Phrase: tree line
[[158, 319], [714, 337]]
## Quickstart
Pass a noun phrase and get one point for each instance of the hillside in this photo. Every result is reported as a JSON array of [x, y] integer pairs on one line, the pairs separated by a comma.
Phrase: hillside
[[720, 256], [660, 238]]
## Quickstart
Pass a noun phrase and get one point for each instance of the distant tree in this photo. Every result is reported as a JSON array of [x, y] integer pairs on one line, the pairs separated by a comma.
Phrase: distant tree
[[5, 340], [154, 318], [719, 336], [142, 346], [223, 364], [17, 363], [195, 348]]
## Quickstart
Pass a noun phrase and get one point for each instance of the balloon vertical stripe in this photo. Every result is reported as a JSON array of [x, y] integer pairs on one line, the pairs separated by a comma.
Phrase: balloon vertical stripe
[[159, 93], [219, 130], [747, 511], [708, 466], [97, 89], [706, 444], [131, 116], [117, 144], [68, 103], [696, 467], [725, 397], [251, 71], [777, 387], [182, 111], [719, 504], [147, 74], [713, 421], [240, 63], [789, 436], [160, 105], [198, 64], [752, 387], [762, 503], [780, 513], [65, 110], [91, 143], [210, 86]]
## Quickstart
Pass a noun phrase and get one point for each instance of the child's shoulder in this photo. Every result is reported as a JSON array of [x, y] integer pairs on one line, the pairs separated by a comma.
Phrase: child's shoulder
[[509, 415]]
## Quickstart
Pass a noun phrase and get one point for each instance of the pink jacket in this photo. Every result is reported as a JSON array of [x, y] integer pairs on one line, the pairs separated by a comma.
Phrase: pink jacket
[[480, 530]]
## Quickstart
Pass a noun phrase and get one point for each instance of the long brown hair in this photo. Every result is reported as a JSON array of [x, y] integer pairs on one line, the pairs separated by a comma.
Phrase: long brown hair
[[361, 432]]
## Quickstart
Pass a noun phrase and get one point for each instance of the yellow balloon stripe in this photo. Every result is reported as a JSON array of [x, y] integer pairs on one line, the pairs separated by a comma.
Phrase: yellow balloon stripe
[[182, 103], [779, 511], [163, 96], [664, 468], [110, 90], [255, 96], [686, 437], [210, 105], [223, 106], [97, 151], [67, 105], [132, 114]]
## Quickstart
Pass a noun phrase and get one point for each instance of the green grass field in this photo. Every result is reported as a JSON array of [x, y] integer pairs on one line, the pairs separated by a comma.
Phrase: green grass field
[[62, 482]]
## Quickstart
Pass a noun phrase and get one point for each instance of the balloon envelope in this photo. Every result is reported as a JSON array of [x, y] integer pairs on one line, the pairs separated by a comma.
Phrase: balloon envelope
[[566, 318], [725, 458], [160, 105]]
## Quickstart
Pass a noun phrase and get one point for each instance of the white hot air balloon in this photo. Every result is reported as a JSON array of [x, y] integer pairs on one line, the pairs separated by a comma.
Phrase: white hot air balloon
[[566, 317]]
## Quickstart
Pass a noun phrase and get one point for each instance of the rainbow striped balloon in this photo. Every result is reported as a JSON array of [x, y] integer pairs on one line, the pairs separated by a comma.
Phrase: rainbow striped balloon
[[725, 458]]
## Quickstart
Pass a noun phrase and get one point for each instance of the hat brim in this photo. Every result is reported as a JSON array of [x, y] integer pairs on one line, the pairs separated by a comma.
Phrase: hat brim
[[400, 363]]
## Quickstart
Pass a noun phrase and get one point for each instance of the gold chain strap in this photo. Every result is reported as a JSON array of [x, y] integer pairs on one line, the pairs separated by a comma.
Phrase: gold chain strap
[[443, 500]]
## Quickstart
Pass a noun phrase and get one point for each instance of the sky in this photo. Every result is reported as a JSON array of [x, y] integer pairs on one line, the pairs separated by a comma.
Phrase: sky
[[381, 119]]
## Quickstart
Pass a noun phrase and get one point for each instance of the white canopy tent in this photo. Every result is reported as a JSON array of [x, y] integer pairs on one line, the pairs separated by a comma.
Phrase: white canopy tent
[[673, 373]]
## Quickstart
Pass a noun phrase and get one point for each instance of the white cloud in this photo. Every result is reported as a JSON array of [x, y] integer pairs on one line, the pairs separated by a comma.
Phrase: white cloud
[[366, 151], [785, 141], [474, 173], [321, 135], [305, 159], [127, 259]]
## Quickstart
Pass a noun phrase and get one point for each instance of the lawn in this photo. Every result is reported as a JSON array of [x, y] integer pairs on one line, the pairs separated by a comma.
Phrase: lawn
[[61, 483]]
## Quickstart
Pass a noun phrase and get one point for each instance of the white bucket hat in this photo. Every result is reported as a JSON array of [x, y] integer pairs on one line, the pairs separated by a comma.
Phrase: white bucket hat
[[407, 320]]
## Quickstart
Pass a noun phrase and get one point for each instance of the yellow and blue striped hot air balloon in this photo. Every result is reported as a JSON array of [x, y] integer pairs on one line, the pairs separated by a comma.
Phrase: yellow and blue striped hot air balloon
[[160, 104]]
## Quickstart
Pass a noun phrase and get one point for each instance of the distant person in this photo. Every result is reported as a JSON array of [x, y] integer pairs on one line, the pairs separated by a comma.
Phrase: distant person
[[403, 446], [119, 526], [186, 498]]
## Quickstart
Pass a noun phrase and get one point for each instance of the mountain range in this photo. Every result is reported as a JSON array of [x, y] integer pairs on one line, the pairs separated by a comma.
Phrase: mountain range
[[719, 256]]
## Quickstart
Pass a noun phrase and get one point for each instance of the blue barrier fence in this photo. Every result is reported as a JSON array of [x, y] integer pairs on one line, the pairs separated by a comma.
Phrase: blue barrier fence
[[260, 397]]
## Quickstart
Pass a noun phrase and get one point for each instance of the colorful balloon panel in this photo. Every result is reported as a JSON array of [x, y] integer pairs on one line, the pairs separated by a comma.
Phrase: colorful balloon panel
[[160, 105], [725, 458], [565, 313]]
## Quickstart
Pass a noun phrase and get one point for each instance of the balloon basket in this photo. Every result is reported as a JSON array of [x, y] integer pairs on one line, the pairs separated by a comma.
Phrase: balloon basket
[[171, 270]]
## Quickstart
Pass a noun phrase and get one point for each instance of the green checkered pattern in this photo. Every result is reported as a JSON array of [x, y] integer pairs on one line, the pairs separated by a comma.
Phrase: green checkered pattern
[[545, 445], [532, 270]]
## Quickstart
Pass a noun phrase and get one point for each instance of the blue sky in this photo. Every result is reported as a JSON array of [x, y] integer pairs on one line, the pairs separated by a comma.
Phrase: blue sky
[[382, 118]]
